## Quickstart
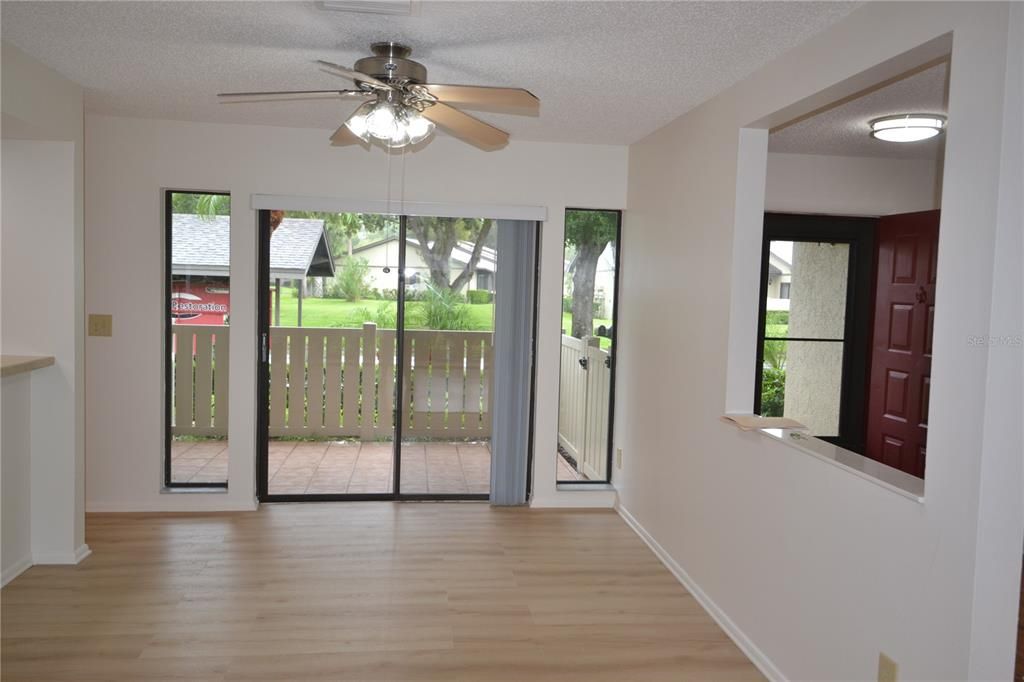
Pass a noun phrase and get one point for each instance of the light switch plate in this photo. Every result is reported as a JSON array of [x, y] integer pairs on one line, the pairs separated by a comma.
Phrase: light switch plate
[[101, 325], [888, 669]]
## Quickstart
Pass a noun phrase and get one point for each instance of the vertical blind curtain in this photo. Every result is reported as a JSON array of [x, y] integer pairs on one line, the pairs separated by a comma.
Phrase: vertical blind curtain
[[513, 351]]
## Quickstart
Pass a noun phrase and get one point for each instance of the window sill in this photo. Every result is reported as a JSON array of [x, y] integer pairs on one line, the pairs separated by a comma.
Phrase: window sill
[[583, 486], [192, 491], [880, 474]]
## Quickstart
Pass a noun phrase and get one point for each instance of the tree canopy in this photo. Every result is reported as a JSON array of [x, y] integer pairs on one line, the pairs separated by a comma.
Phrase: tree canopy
[[590, 227], [201, 204], [589, 232]]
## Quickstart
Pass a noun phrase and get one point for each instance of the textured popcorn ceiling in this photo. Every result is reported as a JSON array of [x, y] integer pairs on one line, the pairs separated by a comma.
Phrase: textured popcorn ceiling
[[843, 131], [606, 72]]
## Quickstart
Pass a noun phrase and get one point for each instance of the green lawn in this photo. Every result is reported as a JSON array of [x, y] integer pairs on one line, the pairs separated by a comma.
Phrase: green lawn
[[334, 312], [776, 324]]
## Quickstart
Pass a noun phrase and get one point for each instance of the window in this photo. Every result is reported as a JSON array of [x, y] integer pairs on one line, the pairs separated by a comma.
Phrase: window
[[586, 400], [814, 314], [197, 281]]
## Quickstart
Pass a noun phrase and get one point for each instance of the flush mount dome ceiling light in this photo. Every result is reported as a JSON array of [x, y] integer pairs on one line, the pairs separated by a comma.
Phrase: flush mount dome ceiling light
[[907, 127]]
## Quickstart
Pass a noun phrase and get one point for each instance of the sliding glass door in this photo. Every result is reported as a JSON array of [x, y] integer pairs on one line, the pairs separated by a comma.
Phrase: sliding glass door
[[377, 356], [448, 355]]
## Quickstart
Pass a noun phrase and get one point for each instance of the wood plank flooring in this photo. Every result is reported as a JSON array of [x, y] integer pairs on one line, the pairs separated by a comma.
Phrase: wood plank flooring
[[362, 591]]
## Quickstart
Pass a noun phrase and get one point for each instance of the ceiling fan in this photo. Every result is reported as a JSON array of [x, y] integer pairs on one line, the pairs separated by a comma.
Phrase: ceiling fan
[[401, 108]]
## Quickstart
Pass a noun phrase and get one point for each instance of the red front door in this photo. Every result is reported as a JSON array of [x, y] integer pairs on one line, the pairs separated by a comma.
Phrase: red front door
[[901, 351]]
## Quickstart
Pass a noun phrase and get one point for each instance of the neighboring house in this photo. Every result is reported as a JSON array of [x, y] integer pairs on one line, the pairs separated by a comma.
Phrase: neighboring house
[[780, 275], [382, 257], [200, 270]]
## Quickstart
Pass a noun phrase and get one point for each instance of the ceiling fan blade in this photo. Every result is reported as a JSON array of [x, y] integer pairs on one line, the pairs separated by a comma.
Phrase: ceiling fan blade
[[278, 93], [483, 98], [467, 128], [342, 137], [354, 75]]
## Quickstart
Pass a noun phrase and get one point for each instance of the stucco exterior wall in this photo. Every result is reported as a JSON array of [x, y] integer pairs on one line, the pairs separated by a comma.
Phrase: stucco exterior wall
[[817, 309]]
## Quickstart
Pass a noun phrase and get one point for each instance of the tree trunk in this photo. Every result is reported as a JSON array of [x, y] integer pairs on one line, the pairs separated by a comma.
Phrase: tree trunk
[[438, 255], [474, 258], [583, 278]]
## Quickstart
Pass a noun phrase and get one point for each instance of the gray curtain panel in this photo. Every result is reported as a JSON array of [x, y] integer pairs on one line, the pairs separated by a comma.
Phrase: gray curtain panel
[[513, 354]]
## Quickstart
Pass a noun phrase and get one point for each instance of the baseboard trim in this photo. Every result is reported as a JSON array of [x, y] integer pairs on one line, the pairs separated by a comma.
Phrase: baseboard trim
[[61, 558], [15, 570], [746, 645], [82, 552], [160, 506]]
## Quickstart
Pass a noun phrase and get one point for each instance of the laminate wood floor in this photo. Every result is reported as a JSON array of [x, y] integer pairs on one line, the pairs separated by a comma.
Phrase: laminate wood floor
[[362, 591]]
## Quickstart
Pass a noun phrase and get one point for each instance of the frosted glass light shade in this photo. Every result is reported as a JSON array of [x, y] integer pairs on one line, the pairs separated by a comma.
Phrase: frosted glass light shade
[[395, 125], [907, 127]]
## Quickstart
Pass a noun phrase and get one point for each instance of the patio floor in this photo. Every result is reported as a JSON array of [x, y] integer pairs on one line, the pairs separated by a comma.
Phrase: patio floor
[[347, 467], [351, 467]]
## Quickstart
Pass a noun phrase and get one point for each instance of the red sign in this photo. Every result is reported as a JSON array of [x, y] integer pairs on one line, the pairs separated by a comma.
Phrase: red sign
[[200, 301]]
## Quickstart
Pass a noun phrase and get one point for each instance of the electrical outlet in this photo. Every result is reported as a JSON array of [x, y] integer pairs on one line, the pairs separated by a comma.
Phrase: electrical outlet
[[888, 669], [618, 458], [101, 325]]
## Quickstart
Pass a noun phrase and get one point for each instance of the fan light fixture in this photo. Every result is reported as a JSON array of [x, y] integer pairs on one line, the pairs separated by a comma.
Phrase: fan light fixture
[[907, 127], [392, 122], [400, 105]]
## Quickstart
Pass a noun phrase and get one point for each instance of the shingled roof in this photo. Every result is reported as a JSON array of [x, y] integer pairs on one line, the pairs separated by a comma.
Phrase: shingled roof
[[298, 249]]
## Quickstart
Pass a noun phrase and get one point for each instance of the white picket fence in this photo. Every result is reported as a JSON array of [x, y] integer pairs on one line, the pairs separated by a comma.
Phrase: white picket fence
[[583, 400], [327, 382]]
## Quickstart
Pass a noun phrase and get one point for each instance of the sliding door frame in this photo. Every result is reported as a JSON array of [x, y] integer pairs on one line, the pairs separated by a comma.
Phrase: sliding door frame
[[263, 387]]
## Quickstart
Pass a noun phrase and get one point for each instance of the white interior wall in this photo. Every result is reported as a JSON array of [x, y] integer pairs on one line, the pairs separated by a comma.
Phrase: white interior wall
[[814, 570], [1001, 503], [131, 160], [43, 289], [849, 185], [15, 477]]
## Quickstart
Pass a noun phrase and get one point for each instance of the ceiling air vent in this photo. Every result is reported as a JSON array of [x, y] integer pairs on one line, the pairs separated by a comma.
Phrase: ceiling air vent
[[399, 7]]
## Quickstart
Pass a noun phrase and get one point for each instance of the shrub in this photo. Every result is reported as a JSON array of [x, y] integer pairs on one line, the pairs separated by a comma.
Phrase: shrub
[[350, 282], [385, 317], [443, 309], [773, 391], [478, 296], [775, 354]]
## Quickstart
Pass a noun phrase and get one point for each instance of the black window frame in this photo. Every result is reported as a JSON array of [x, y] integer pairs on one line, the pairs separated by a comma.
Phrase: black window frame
[[860, 234], [613, 335], [169, 338]]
